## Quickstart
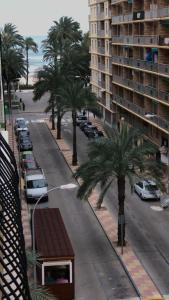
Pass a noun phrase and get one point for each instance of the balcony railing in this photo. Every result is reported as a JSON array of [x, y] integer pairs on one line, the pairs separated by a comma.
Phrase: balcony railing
[[161, 122], [148, 14], [101, 67], [142, 64], [101, 50], [140, 88], [116, 1], [140, 39]]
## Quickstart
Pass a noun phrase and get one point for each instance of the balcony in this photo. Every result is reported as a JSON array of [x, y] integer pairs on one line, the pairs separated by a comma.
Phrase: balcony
[[116, 1], [153, 13], [140, 88], [101, 33], [101, 50], [101, 83], [140, 39], [101, 67], [161, 122], [141, 64], [122, 18]]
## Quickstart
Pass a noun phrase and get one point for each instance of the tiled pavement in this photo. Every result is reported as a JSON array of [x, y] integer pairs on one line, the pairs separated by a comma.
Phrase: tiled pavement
[[24, 212], [139, 276], [133, 266]]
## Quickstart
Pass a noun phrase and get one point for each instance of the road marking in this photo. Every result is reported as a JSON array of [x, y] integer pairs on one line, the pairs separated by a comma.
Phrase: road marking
[[37, 121], [156, 208]]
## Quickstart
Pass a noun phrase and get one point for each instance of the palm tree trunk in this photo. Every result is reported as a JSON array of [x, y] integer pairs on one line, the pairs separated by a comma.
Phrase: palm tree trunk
[[59, 127], [27, 68], [74, 156], [53, 116], [121, 216]]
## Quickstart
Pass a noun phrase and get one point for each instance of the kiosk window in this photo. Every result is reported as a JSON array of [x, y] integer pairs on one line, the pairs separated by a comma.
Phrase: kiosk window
[[57, 274]]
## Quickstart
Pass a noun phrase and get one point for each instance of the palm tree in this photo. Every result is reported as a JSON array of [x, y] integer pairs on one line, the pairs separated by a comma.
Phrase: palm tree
[[13, 66], [118, 158], [77, 97], [50, 79], [61, 36], [59, 108], [29, 45]]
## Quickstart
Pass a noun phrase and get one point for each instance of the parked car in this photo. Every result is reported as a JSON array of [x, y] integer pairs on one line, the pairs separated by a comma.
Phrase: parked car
[[26, 155], [22, 134], [80, 119], [147, 189], [100, 133], [19, 120], [28, 165], [90, 128], [84, 124], [20, 124], [35, 185], [91, 134], [25, 144]]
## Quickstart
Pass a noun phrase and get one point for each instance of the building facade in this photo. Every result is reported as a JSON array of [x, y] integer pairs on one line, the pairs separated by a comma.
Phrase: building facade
[[130, 63]]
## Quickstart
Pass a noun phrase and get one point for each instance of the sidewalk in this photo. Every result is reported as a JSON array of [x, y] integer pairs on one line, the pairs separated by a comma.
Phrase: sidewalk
[[24, 206], [133, 266]]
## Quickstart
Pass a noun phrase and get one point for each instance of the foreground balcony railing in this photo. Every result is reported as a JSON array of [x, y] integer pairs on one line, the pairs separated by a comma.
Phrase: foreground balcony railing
[[161, 122], [140, 88], [142, 64]]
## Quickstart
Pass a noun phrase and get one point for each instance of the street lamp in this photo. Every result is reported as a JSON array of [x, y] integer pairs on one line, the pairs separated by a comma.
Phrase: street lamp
[[61, 187]]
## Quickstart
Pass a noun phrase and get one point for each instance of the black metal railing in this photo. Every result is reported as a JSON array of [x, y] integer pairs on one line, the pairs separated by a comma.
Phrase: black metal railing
[[13, 265]]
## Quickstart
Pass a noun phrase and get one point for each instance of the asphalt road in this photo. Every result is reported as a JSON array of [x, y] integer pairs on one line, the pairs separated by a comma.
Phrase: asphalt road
[[146, 227], [99, 274]]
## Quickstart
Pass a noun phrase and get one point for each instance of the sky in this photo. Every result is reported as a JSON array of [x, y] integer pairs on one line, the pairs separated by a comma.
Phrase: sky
[[35, 17]]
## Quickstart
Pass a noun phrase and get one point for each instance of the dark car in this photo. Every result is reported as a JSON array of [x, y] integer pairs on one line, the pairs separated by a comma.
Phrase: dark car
[[80, 119], [22, 134], [83, 125], [94, 134], [25, 144], [22, 138], [90, 128]]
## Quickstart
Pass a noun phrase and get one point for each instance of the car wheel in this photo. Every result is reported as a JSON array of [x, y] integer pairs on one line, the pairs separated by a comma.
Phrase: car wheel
[[141, 196]]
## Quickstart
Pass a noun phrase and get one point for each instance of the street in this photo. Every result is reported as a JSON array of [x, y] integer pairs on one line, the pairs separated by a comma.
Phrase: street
[[98, 271]]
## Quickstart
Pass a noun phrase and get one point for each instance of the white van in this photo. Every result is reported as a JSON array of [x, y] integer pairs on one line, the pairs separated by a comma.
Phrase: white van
[[35, 186]]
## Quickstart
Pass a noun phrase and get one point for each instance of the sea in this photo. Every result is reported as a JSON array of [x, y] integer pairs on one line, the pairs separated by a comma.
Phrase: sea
[[35, 59]]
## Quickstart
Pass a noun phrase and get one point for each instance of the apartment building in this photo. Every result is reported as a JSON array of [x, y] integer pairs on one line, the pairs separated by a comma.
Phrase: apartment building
[[130, 63]]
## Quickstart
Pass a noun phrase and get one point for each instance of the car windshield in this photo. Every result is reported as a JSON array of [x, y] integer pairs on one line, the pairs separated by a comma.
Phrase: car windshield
[[34, 184], [151, 187], [30, 165], [27, 156]]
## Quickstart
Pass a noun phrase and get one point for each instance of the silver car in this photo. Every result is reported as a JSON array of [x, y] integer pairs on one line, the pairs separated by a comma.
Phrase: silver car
[[147, 189]]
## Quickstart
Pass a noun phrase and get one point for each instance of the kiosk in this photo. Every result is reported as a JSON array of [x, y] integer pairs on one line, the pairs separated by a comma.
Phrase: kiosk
[[55, 270]]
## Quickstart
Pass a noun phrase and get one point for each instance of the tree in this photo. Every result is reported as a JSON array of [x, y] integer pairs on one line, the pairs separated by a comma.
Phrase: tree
[[51, 79], [77, 97], [29, 45], [118, 158], [13, 66], [61, 36]]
